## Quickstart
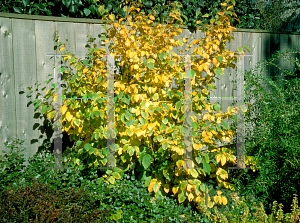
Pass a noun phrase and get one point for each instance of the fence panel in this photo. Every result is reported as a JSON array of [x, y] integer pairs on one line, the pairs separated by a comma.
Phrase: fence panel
[[26, 40]]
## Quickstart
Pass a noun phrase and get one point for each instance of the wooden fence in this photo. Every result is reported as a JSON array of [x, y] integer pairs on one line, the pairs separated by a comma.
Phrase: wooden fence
[[26, 41]]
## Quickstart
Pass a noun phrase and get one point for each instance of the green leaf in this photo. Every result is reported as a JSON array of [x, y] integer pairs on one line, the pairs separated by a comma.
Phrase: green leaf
[[66, 3], [165, 146], [198, 159], [78, 143], [206, 167], [145, 115], [25, 2], [158, 109], [166, 106], [147, 159], [155, 96], [127, 100], [206, 158], [143, 121], [216, 107], [150, 65], [131, 150], [178, 104], [159, 138], [165, 121], [211, 87], [240, 49], [87, 146], [18, 10], [220, 58], [181, 197], [234, 118], [127, 116], [195, 126], [219, 71], [123, 118], [147, 181], [86, 11], [95, 113], [120, 95], [77, 122], [192, 74], [202, 187], [225, 125], [85, 62], [161, 56]]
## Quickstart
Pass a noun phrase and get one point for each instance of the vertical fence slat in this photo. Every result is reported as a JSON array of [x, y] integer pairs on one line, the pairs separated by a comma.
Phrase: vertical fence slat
[[23, 32], [8, 121]]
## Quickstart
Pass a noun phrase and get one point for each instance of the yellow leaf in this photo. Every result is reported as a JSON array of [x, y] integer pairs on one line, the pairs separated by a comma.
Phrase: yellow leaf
[[189, 188], [194, 173], [64, 108], [167, 188], [206, 139], [136, 98], [210, 204], [117, 84], [223, 160], [85, 70], [136, 67], [219, 192], [151, 184], [175, 190], [140, 132], [127, 43], [224, 200], [122, 87], [222, 173], [69, 116], [61, 49], [191, 197], [151, 126], [218, 158], [145, 126], [216, 199]]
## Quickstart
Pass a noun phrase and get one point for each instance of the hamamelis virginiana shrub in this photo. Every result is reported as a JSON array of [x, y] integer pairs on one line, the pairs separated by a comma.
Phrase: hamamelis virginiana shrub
[[150, 132]]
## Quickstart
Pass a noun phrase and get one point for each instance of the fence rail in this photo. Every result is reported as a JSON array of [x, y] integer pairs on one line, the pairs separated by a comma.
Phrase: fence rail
[[25, 40]]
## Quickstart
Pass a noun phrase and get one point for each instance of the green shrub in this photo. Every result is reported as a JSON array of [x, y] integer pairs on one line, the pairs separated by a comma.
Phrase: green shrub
[[57, 187], [275, 139]]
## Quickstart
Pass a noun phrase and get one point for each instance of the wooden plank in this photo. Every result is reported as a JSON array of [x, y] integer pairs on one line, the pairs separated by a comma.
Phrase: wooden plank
[[44, 31], [8, 121], [25, 72]]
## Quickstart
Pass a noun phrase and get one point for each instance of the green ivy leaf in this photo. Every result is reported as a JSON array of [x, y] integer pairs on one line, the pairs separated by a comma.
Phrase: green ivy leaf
[[216, 107], [225, 125], [147, 159]]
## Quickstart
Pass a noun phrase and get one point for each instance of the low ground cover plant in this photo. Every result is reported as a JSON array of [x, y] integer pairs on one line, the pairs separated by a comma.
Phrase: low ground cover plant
[[53, 195]]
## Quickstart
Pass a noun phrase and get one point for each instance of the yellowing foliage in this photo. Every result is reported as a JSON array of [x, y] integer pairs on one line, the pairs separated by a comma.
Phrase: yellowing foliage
[[148, 123]]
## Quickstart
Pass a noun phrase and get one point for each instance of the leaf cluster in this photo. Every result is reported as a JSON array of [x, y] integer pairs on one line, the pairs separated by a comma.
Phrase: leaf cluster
[[272, 133], [250, 17], [147, 139]]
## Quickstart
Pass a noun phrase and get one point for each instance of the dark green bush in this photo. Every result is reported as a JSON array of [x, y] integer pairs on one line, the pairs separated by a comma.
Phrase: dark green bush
[[274, 140], [56, 186]]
